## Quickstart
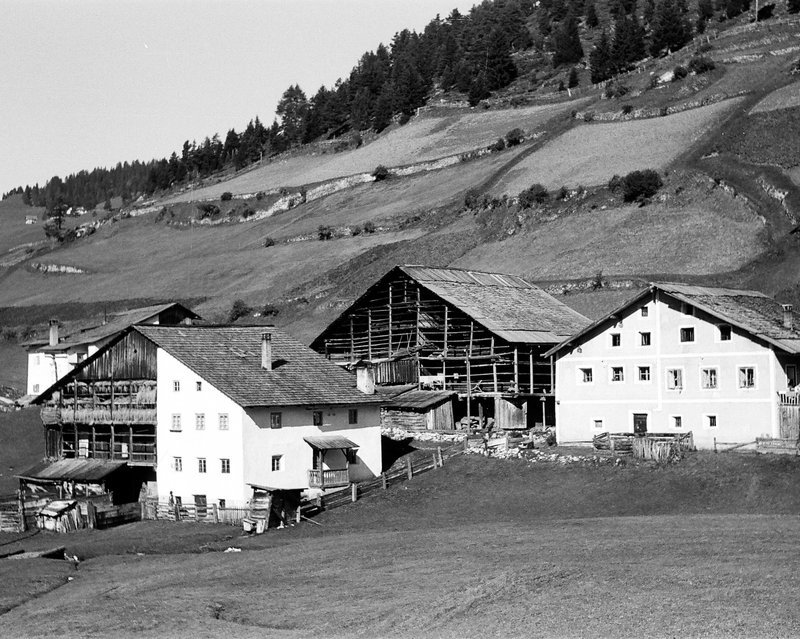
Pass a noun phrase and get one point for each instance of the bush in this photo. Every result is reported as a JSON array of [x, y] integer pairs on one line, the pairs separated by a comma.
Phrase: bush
[[355, 230], [638, 186], [207, 210], [369, 227], [499, 145], [324, 232], [616, 90], [269, 310], [679, 73], [701, 64], [247, 212], [561, 86], [563, 193], [572, 79], [536, 194], [471, 198], [260, 195], [380, 173], [627, 109], [239, 309], [268, 241], [227, 196], [614, 183], [515, 137]]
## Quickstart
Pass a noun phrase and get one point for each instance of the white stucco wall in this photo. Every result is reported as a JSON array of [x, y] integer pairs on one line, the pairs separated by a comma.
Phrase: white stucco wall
[[45, 369], [742, 414]]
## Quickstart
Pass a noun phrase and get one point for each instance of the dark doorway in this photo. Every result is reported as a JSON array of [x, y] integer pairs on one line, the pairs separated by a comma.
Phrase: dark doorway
[[639, 423]]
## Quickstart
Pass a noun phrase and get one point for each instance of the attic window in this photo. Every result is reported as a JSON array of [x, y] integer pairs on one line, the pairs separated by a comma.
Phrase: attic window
[[645, 311], [616, 339], [275, 420], [724, 333]]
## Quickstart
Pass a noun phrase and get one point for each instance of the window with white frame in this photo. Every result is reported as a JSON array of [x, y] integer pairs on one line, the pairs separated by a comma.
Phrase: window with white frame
[[676, 421], [617, 374], [724, 333], [644, 373], [316, 418], [201, 464], [586, 375], [598, 424], [176, 385], [708, 378], [223, 421], [352, 416], [177, 464], [645, 311], [221, 503], [200, 421], [275, 420], [674, 378], [225, 466], [276, 462], [687, 334], [616, 339], [644, 338], [747, 377], [175, 425], [711, 421]]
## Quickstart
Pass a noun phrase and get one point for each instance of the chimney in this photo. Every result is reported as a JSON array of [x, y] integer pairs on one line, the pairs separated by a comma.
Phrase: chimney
[[53, 332], [788, 319], [266, 351], [365, 378]]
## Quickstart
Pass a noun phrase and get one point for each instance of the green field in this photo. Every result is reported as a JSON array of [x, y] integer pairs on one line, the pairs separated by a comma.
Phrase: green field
[[703, 548]]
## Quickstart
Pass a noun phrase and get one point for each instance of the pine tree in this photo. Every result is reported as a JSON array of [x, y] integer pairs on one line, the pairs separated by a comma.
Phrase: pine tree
[[572, 79], [567, 42], [500, 68], [591, 15], [793, 6], [628, 43], [292, 110], [600, 61], [670, 30]]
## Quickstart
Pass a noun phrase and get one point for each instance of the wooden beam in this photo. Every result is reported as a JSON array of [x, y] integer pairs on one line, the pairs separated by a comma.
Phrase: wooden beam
[[494, 367], [516, 370], [352, 343], [369, 333], [446, 328], [530, 365], [390, 320]]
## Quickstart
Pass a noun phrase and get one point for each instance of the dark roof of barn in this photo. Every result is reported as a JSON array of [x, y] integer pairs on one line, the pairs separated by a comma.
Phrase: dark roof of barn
[[507, 305], [73, 470], [750, 311], [229, 358]]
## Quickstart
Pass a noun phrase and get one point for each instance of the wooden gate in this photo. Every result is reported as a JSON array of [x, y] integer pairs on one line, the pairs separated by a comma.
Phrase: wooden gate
[[790, 416]]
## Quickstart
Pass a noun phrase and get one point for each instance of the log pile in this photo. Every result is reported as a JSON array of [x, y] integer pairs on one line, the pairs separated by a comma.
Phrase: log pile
[[621, 443]]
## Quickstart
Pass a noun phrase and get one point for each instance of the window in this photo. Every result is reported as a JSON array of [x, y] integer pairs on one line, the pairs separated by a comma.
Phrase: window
[[198, 386], [201, 464], [687, 309], [176, 386], [645, 311], [223, 421], [747, 377], [586, 375], [645, 339], [225, 466], [674, 378], [316, 418], [221, 503], [200, 421], [176, 422], [708, 378], [677, 421], [352, 416], [644, 373], [177, 464], [598, 424], [687, 334], [617, 374], [276, 462], [724, 333], [711, 421], [791, 375], [36, 388], [275, 420], [616, 339]]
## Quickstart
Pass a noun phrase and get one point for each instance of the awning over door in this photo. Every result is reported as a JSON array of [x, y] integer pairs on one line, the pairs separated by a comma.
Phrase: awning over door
[[329, 442]]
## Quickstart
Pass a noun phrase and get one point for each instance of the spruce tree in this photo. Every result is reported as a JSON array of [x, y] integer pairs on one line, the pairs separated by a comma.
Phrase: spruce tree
[[591, 15], [572, 79], [670, 30], [600, 62], [567, 42], [500, 68]]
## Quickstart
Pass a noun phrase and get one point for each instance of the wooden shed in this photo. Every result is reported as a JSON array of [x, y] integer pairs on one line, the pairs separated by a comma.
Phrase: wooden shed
[[419, 409]]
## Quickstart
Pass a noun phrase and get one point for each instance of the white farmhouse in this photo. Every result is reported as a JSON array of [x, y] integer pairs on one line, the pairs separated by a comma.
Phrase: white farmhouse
[[201, 413], [676, 358]]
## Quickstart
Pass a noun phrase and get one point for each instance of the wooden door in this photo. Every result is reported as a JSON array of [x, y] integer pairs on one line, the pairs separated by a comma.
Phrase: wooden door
[[201, 504], [639, 423]]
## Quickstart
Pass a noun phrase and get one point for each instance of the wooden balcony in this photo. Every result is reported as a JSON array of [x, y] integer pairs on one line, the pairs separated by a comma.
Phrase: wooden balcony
[[790, 398], [101, 415], [328, 478]]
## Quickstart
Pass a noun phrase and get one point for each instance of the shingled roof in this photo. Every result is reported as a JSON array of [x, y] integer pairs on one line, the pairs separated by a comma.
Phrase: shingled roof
[[750, 311], [229, 358], [507, 305]]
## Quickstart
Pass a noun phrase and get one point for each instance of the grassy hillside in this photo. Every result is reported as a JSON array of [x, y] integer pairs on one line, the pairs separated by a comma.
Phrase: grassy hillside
[[21, 445]]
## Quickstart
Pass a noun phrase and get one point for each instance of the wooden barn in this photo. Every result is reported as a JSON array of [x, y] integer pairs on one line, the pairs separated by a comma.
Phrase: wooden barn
[[479, 335], [419, 410]]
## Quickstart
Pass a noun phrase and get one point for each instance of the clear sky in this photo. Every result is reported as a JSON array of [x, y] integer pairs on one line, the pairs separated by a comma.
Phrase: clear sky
[[92, 82]]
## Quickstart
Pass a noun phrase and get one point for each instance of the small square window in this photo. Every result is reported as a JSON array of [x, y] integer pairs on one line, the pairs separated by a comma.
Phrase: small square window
[[747, 377], [221, 503], [645, 339], [316, 417], [223, 421], [687, 334], [644, 373], [674, 378], [275, 420], [586, 375], [617, 374], [200, 421], [198, 386], [598, 424], [201, 464], [352, 416], [708, 378], [225, 466], [176, 422], [36, 388], [677, 421], [711, 421], [177, 464], [645, 311], [616, 339], [176, 386], [276, 462], [724, 333]]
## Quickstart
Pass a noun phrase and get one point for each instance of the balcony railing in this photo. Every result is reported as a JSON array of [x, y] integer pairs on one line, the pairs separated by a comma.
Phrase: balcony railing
[[328, 478], [790, 398], [104, 415]]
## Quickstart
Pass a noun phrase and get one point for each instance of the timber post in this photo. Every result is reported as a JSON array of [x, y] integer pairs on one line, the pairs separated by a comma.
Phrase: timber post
[[409, 470], [383, 481], [354, 492], [439, 452]]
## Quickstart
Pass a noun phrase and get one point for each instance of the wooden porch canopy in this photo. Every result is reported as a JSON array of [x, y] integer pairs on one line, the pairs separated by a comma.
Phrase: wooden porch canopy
[[319, 477], [329, 442]]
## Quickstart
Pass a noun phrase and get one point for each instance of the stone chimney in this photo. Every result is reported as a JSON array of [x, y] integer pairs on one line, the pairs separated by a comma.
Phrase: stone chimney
[[266, 351], [788, 319], [365, 378], [53, 332]]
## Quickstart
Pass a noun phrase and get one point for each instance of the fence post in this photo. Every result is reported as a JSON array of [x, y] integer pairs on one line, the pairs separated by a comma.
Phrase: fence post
[[715, 444], [142, 510], [22, 525], [383, 480], [435, 462], [611, 443], [215, 512], [354, 492], [441, 459], [409, 470]]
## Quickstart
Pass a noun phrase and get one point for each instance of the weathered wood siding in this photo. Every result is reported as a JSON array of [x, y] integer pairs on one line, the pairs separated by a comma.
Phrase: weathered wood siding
[[405, 419], [133, 357]]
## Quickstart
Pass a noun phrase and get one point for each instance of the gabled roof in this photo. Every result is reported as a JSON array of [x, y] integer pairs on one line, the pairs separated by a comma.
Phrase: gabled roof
[[750, 311], [229, 358], [72, 470], [116, 324]]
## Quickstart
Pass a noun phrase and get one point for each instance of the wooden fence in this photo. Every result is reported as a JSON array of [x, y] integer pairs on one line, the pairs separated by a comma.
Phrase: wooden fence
[[656, 447]]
